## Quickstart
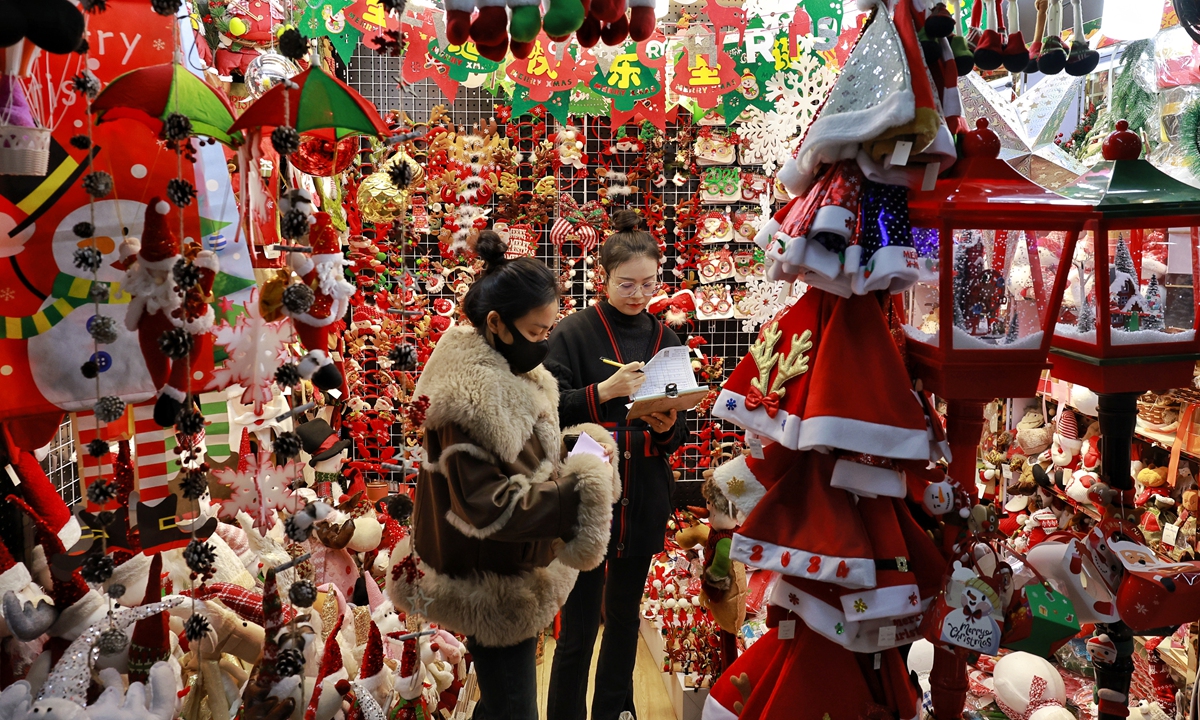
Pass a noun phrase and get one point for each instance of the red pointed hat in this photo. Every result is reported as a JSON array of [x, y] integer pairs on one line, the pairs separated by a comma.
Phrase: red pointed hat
[[331, 664], [159, 242], [804, 527], [323, 237], [149, 643], [828, 375]]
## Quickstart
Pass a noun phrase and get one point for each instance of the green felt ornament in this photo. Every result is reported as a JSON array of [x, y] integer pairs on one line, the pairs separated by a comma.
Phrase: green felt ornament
[[462, 60], [627, 80]]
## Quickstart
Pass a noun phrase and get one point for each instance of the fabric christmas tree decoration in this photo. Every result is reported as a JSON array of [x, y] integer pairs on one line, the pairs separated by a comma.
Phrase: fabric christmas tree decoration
[[172, 322], [322, 271], [149, 643], [791, 387], [774, 680]]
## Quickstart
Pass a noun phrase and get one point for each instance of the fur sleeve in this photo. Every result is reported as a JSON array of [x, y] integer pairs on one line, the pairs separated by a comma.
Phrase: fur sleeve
[[605, 438], [593, 480]]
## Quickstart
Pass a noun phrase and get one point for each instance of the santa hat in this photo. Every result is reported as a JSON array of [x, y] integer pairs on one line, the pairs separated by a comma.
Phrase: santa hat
[[41, 494], [149, 643], [1068, 431], [375, 597], [159, 245], [332, 669], [805, 527], [323, 237], [373, 675], [828, 375]]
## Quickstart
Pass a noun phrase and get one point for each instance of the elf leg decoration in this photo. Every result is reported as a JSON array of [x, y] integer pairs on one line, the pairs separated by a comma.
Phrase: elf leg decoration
[[1016, 54], [1053, 56], [1035, 48], [562, 18], [1082, 60], [615, 32], [989, 52], [488, 27], [641, 19], [331, 295], [458, 20], [608, 11], [964, 56]]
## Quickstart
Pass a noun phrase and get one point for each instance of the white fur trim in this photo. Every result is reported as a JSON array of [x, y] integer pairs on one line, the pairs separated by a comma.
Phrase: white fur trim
[[826, 431], [838, 136], [68, 534], [894, 269], [173, 393], [151, 295], [609, 443], [74, 620], [16, 578], [473, 450], [856, 635], [207, 260], [763, 237], [714, 710], [793, 180], [785, 560], [497, 610], [747, 493], [202, 324], [134, 574], [470, 385], [815, 257], [593, 482], [882, 602], [867, 480]]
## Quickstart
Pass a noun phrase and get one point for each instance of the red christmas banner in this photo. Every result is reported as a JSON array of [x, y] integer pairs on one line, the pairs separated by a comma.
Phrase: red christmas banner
[[706, 83], [545, 73], [418, 64]]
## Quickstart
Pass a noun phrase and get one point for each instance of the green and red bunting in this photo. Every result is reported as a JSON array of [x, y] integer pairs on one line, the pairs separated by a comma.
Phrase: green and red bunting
[[418, 63], [544, 74], [327, 18], [321, 106], [627, 81], [705, 82], [463, 60], [150, 94], [558, 104]]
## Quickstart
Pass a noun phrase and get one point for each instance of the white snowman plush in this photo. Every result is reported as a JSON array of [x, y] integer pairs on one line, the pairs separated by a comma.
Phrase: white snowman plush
[[1027, 686]]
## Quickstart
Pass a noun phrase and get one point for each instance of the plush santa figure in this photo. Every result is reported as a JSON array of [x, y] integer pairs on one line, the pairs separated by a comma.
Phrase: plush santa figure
[[1064, 451], [321, 271], [172, 321]]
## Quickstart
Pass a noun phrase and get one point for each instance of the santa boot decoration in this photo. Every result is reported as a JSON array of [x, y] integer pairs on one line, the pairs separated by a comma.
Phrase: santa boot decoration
[[964, 57], [1039, 27], [607, 11], [458, 20], [940, 22], [615, 32], [488, 27], [562, 18], [1082, 60], [588, 33], [526, 21], [989, 51], [641, 19], [322, 272], [1053, 55]]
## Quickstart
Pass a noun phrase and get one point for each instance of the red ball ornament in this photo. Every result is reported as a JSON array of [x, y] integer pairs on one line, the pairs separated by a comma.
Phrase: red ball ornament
[[324, 158], [1122, 144], [982, 141]]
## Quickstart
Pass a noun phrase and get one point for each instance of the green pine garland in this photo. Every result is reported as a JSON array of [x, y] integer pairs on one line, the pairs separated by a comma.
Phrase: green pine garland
[[1189, 136], [1130, 101]]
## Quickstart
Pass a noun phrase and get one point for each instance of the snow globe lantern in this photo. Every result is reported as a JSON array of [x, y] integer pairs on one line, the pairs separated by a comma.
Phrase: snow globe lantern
[[979, 319], [1129, 317]]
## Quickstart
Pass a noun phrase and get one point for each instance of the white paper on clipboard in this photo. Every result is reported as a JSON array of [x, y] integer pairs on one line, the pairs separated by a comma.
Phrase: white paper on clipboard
[[671, 365]]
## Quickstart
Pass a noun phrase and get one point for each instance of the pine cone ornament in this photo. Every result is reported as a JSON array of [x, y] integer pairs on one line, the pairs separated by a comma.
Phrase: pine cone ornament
[[109, 408], [97, 568], [94, 6], [99, 292], [199, 556], [98, 448], [87, 259], [177, 127], [298, 298], [287, 446], [397, 6], [112, 641], [175, 343], [166, 8], [190, 423], [289, 662], [116, 590], [83, 229], [292, 45], [80, 142], [180, 192], [186, 274], [403, 357], [103, 329], [287, 375], [195, 627], [401, 174], [194, 485], [293, 225], [302, 593], [285, 139], [295, 532], [86, 84], [98, 184], [102, 491]]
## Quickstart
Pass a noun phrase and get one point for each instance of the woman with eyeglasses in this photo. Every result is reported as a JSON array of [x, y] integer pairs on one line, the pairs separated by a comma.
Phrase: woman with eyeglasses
[[591, 390]]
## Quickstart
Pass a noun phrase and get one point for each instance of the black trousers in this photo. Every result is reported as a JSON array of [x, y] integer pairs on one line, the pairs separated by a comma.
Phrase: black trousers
[[618, 583], [507, 680]]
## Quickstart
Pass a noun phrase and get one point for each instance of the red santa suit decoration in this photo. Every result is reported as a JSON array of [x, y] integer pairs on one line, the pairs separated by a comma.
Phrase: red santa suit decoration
[[323, 272], [172, 322]]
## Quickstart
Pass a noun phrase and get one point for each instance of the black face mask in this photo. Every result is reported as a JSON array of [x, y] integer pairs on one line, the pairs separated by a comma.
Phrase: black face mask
[[522, 354]]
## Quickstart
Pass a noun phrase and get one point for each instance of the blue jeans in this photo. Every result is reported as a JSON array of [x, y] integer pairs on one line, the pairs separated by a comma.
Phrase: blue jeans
[[507, 680]]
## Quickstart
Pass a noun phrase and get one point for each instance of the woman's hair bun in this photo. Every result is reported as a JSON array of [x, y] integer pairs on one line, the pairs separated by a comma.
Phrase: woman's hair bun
[[490, 248], [626, 220]]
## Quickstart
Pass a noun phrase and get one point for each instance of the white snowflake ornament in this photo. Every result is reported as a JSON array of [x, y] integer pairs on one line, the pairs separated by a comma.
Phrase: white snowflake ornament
[[256, 349]]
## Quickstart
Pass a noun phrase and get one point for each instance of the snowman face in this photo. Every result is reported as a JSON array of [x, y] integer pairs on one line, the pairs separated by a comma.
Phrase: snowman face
[[973, 600], [939, 498], [115, 221]]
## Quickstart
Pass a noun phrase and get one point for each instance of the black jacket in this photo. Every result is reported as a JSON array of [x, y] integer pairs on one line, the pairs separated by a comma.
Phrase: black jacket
[[576, 346]]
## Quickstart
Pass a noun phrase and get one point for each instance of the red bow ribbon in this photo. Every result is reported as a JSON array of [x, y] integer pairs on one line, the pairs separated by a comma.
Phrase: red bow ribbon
[[975, 614], [770, 401]]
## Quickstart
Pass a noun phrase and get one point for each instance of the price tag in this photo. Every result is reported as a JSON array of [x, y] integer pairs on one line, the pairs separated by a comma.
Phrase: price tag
[[787, 629], [756, 448], [900, 156], [930, 180], [12, 474], [878, 660], [887, 636], [337, 394], [1169, 536]]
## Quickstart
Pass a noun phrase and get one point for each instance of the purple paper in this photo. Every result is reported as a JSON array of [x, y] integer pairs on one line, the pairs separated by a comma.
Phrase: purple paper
[[14, 107]]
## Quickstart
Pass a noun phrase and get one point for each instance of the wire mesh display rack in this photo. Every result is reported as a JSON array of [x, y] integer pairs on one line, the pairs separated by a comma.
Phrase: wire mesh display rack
[[375, 77]]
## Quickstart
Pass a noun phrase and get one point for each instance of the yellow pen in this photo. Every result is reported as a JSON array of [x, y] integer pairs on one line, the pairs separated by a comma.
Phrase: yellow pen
[[614, 363]]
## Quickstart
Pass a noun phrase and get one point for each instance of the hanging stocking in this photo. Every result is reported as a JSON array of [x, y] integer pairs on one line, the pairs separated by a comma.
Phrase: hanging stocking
[[989, 51]]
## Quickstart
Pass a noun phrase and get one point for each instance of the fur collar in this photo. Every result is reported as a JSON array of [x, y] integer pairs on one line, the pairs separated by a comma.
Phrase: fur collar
[[470, 385]]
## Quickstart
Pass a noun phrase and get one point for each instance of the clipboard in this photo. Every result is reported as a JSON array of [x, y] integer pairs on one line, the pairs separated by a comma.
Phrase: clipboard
[[670, 399]]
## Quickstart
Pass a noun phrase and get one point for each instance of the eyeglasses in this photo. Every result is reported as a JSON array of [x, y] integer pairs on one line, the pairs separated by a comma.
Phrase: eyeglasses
[[628, 289]]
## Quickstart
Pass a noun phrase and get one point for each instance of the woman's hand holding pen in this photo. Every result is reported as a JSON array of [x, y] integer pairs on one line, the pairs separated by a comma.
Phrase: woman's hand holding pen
[[623, 383]]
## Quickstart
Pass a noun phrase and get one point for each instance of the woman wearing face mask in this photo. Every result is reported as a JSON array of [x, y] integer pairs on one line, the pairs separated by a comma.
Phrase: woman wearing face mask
[[502, 521], [592, 391]]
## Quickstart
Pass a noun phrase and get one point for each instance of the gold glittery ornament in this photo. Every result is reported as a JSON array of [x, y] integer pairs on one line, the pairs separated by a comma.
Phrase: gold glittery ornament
[[378, 197]]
